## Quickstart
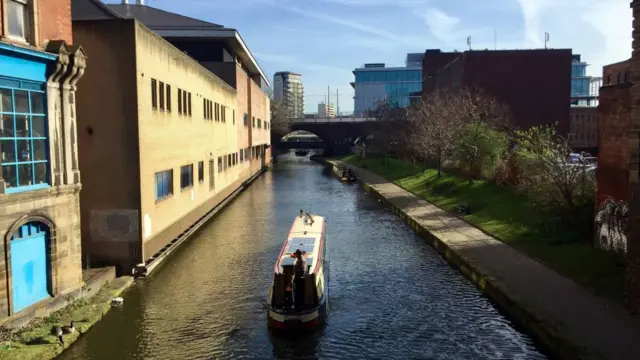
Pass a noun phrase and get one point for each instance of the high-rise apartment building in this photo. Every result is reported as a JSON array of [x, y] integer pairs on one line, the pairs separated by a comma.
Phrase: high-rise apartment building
[[375, 82], [288, 88], [326, 110]]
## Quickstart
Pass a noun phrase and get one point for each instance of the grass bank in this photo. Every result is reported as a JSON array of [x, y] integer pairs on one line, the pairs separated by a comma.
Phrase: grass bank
[[35, 341], [507, 216]]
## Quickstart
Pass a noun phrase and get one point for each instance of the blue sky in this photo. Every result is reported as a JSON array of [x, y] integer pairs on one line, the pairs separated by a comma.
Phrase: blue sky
[[325, 40]]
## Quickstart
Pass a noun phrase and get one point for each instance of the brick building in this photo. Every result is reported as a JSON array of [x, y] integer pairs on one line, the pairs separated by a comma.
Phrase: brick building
[[166, 133], [616, 73], [534, 84], [614, 122], [40, 260]]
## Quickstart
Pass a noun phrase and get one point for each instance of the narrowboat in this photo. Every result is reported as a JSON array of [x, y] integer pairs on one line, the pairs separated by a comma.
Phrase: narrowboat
[[299, 299], [344, 173]]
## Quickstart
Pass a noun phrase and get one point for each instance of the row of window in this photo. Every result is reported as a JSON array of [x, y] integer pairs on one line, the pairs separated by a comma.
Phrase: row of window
[[388, 76], [164, 179], [161, 98]]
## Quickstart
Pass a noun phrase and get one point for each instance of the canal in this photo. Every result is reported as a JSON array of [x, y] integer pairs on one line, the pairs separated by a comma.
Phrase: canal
[[391, 295]]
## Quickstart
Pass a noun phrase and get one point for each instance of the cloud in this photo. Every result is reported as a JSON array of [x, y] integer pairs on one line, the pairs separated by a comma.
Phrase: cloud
[[599, 30], [442, 26]]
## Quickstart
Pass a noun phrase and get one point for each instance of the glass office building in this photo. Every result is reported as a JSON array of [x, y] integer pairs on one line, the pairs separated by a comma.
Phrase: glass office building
[[584, 88], [375, 82]]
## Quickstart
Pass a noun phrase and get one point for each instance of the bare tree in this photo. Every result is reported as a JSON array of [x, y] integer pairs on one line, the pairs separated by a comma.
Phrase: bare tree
[[280, 118], [436, 122]]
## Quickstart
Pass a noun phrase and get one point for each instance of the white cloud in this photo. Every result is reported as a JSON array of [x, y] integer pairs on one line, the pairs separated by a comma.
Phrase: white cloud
[[443, 27], [599, 30]]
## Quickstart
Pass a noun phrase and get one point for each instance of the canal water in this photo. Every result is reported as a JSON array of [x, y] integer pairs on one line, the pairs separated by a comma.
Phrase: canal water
[[391, 295]]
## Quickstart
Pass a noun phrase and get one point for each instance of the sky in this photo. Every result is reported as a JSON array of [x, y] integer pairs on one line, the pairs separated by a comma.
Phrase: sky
[[324, 40]]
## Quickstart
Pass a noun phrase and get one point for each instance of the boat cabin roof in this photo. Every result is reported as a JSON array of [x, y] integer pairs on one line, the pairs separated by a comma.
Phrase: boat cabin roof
[[306, 235]]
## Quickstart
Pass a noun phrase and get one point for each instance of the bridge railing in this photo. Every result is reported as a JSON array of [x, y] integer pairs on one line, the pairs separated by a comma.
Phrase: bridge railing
[[332, 120]]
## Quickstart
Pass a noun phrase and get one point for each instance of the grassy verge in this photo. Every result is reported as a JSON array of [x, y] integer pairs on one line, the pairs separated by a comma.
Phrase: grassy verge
[[508, 216], [35, 341]]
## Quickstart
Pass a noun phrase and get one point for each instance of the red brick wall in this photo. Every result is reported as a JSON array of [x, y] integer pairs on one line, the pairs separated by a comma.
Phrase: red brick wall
[[614, 122], [610, 73], [55, 21], [534, 84], [434, 60]]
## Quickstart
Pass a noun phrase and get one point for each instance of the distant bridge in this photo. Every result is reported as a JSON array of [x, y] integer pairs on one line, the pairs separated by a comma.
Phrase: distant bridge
[[332, 120], [337, 133]]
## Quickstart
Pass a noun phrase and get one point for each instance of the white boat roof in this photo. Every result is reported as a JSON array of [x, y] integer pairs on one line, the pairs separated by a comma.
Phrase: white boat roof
[[304, 235]]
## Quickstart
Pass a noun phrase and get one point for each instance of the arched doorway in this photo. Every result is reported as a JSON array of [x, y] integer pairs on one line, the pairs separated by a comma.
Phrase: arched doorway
[[29, 265]]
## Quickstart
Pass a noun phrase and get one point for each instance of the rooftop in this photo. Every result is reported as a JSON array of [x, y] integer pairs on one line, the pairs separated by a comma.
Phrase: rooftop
[[168, 25]]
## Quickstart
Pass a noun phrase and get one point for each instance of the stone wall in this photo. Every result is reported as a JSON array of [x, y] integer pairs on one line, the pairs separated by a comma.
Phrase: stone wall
[[59, 208]]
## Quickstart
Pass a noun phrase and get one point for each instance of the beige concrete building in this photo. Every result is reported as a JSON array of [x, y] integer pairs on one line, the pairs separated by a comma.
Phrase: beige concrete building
[[163, 137], [583, 128], [40, 259]]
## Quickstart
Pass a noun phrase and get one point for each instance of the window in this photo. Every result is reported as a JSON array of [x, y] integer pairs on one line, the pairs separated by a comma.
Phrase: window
[[154, 94], [241, 155], [211, 175], [200, 171], [168, 98], [219, 163], [254, 121], [179, 101], [24, 149], [245, 120], [234, 117], [229, 160], [184, 103], [224, 159], [186, 176], [164, 184], [161, 95], [189, 103], [223, 110], [18, 19], [217, 113], [259, 123]]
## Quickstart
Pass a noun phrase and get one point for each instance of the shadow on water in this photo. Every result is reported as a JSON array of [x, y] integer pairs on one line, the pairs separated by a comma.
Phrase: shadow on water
[[295, 345], [208, 300]]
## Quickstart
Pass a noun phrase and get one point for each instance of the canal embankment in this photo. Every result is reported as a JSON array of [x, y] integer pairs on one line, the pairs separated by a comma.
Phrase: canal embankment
[[36, 340], [571, 321]]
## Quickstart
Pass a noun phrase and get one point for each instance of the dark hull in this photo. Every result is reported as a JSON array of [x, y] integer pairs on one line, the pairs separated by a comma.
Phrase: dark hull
[[292, 321]]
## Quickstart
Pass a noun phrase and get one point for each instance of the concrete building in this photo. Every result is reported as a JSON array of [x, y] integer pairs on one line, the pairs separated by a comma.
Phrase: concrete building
[[40, 259], [288, 88], [583, 129], [534, 84], [164, 138], [326, 110], [376, 82]]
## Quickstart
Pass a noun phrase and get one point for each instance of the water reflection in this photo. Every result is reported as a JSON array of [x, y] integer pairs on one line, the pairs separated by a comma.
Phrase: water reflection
[[391, 295]]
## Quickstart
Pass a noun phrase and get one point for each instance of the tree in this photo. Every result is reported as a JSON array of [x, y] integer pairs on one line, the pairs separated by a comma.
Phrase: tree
[[482, 140], [280, 118], [388, 131], [550, 178], [436, 122]]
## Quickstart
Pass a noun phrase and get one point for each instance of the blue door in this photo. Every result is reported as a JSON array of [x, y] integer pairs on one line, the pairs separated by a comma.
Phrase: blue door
[[29, 274]]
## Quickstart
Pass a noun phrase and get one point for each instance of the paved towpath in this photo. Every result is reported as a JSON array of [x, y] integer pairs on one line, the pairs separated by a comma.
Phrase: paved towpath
[[596, 324]]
